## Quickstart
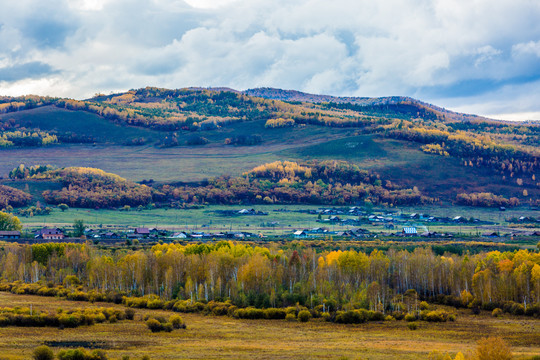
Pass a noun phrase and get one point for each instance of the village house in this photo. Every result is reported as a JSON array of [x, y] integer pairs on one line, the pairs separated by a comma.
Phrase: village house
[[10, 235], [49, 234], [409, 231], [110, 235], [179, 235], [142, 232], [318, 230]]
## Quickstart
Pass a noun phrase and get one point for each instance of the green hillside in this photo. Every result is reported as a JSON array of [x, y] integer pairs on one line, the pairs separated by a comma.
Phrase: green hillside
[[189, 135]]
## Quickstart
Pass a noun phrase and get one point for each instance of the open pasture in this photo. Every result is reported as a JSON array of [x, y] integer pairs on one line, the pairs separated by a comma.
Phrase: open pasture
[[210, 337]]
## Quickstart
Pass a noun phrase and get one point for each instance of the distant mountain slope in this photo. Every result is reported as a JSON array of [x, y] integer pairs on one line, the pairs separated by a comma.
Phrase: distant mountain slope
[[415, 144], [294, 95]]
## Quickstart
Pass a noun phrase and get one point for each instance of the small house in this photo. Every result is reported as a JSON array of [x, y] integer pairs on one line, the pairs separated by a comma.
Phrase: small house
[[318, 230], [111, 235], [10, 234], [142, 232], [300, 234], [410, 231], [49, 234], [179, 235]]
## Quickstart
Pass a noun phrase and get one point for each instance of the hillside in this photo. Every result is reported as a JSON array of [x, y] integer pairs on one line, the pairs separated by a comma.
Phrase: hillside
[[194, 134], [389, 105]]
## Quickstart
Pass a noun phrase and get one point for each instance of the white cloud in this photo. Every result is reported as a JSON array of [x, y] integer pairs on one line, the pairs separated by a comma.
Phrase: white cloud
[[531, 47], [458, 53], [209, 4]]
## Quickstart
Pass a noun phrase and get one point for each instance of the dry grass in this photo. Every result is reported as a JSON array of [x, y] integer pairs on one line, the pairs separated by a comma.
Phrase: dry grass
[[209, 337]]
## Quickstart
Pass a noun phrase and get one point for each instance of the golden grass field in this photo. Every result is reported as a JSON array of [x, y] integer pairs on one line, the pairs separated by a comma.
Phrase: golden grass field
[[209, 337]]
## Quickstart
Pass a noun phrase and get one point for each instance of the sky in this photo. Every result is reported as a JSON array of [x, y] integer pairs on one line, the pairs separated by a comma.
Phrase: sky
[[473, 56]]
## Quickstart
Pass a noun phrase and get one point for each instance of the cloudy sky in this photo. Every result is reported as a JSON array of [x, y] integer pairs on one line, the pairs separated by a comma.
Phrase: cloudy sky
[[476, 56]]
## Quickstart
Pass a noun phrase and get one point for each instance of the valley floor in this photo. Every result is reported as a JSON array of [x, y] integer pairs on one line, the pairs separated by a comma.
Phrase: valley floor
[[210, 337]]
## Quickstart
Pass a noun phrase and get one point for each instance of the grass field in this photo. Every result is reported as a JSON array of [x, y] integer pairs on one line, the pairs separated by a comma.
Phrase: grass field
[[184, 163], [208, 337], [397, 161], [50, 118]]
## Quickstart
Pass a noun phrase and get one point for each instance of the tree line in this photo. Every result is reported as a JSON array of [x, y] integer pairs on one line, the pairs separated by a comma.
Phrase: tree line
[[315, 182], [270, 277]]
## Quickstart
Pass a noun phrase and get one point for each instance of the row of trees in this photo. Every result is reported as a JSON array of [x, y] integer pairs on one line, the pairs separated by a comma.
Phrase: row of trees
[[12, 104], [272, 277], [26, 138], [22, 171], [325, 182], [485, 200]]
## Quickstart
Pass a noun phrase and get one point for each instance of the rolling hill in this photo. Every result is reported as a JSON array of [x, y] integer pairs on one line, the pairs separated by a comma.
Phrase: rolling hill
[[189, 135]]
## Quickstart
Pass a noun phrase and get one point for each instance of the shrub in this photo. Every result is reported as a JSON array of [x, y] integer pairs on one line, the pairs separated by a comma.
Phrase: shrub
[[168, 327], [273, 313], [250, 313], [290, 310], [424, 305], [435, 316], [412, 325], [129, 314], [43, 353], [376, 316], [304, 316], [98, 355], [155, 304], [197, 140], [352, 316], [326, 316], [533, 310], [410, 317], [290, 317], [176, 321], [493, 348], [81, 354], [517, 309], [154, 325], [497, 312], [220, 310]]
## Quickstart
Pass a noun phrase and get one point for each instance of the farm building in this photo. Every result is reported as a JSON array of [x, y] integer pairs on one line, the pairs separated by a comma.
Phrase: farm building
[[410, 231], [142, 232], [10, 234], [49, 234], [179, 235]]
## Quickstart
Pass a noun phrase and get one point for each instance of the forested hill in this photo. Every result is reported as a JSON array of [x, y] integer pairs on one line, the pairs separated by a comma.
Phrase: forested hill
[[398, 137], [362, 103]]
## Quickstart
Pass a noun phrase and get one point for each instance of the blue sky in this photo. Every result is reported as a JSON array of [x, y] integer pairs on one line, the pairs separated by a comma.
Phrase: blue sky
[[478, 56]]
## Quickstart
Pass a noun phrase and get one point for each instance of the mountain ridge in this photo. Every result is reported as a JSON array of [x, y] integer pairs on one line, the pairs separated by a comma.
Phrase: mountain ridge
[[295, 95]]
